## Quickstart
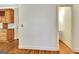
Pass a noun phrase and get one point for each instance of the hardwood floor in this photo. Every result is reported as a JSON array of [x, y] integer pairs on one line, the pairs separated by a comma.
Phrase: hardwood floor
[[12, 48], [30, 51], [64, 49]]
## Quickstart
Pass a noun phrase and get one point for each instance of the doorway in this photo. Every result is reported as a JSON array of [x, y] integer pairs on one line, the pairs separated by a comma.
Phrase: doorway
[[65, 25]]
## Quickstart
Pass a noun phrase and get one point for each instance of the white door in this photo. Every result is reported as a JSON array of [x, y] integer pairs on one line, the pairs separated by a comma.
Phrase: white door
[[37, 27]]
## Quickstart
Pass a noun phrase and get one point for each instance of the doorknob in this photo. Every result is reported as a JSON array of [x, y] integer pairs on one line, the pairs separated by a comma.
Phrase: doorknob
[[22, 25]]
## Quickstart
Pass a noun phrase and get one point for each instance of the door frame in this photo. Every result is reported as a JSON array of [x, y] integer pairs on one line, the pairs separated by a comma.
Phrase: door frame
[[72, 22]]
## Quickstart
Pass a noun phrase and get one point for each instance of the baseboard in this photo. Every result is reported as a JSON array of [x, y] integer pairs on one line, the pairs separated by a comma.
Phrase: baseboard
[[76, 52]]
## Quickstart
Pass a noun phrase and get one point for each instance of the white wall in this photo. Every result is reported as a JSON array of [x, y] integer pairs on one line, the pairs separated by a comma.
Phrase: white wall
[[61, 12], [16, 22], [76, 27], [40, 30]]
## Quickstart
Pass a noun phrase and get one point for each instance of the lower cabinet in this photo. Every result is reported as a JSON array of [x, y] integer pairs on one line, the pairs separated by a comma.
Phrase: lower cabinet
[[6, 35], [10, 35], [3, 35]]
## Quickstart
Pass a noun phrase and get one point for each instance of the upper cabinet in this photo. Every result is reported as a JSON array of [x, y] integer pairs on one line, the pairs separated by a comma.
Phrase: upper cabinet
[[9, 15], [6, 16], [2, 15]]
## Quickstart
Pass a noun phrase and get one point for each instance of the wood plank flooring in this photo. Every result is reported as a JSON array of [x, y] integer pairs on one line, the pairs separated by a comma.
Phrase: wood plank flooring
[[12, 48], [64, 49], [30, 51]]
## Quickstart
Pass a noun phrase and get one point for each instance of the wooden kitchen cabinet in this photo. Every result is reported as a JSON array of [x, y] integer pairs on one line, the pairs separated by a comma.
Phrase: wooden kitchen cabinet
[[3, 35], [6, 35], [10, 35], [6, 18], [9, 15], [5, 25], [2, 15]]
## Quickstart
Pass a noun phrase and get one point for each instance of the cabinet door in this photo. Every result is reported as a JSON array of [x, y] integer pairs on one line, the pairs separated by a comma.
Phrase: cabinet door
[[2, 15], [10, 35], [5, 26], [9, 15], [3, 35]]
